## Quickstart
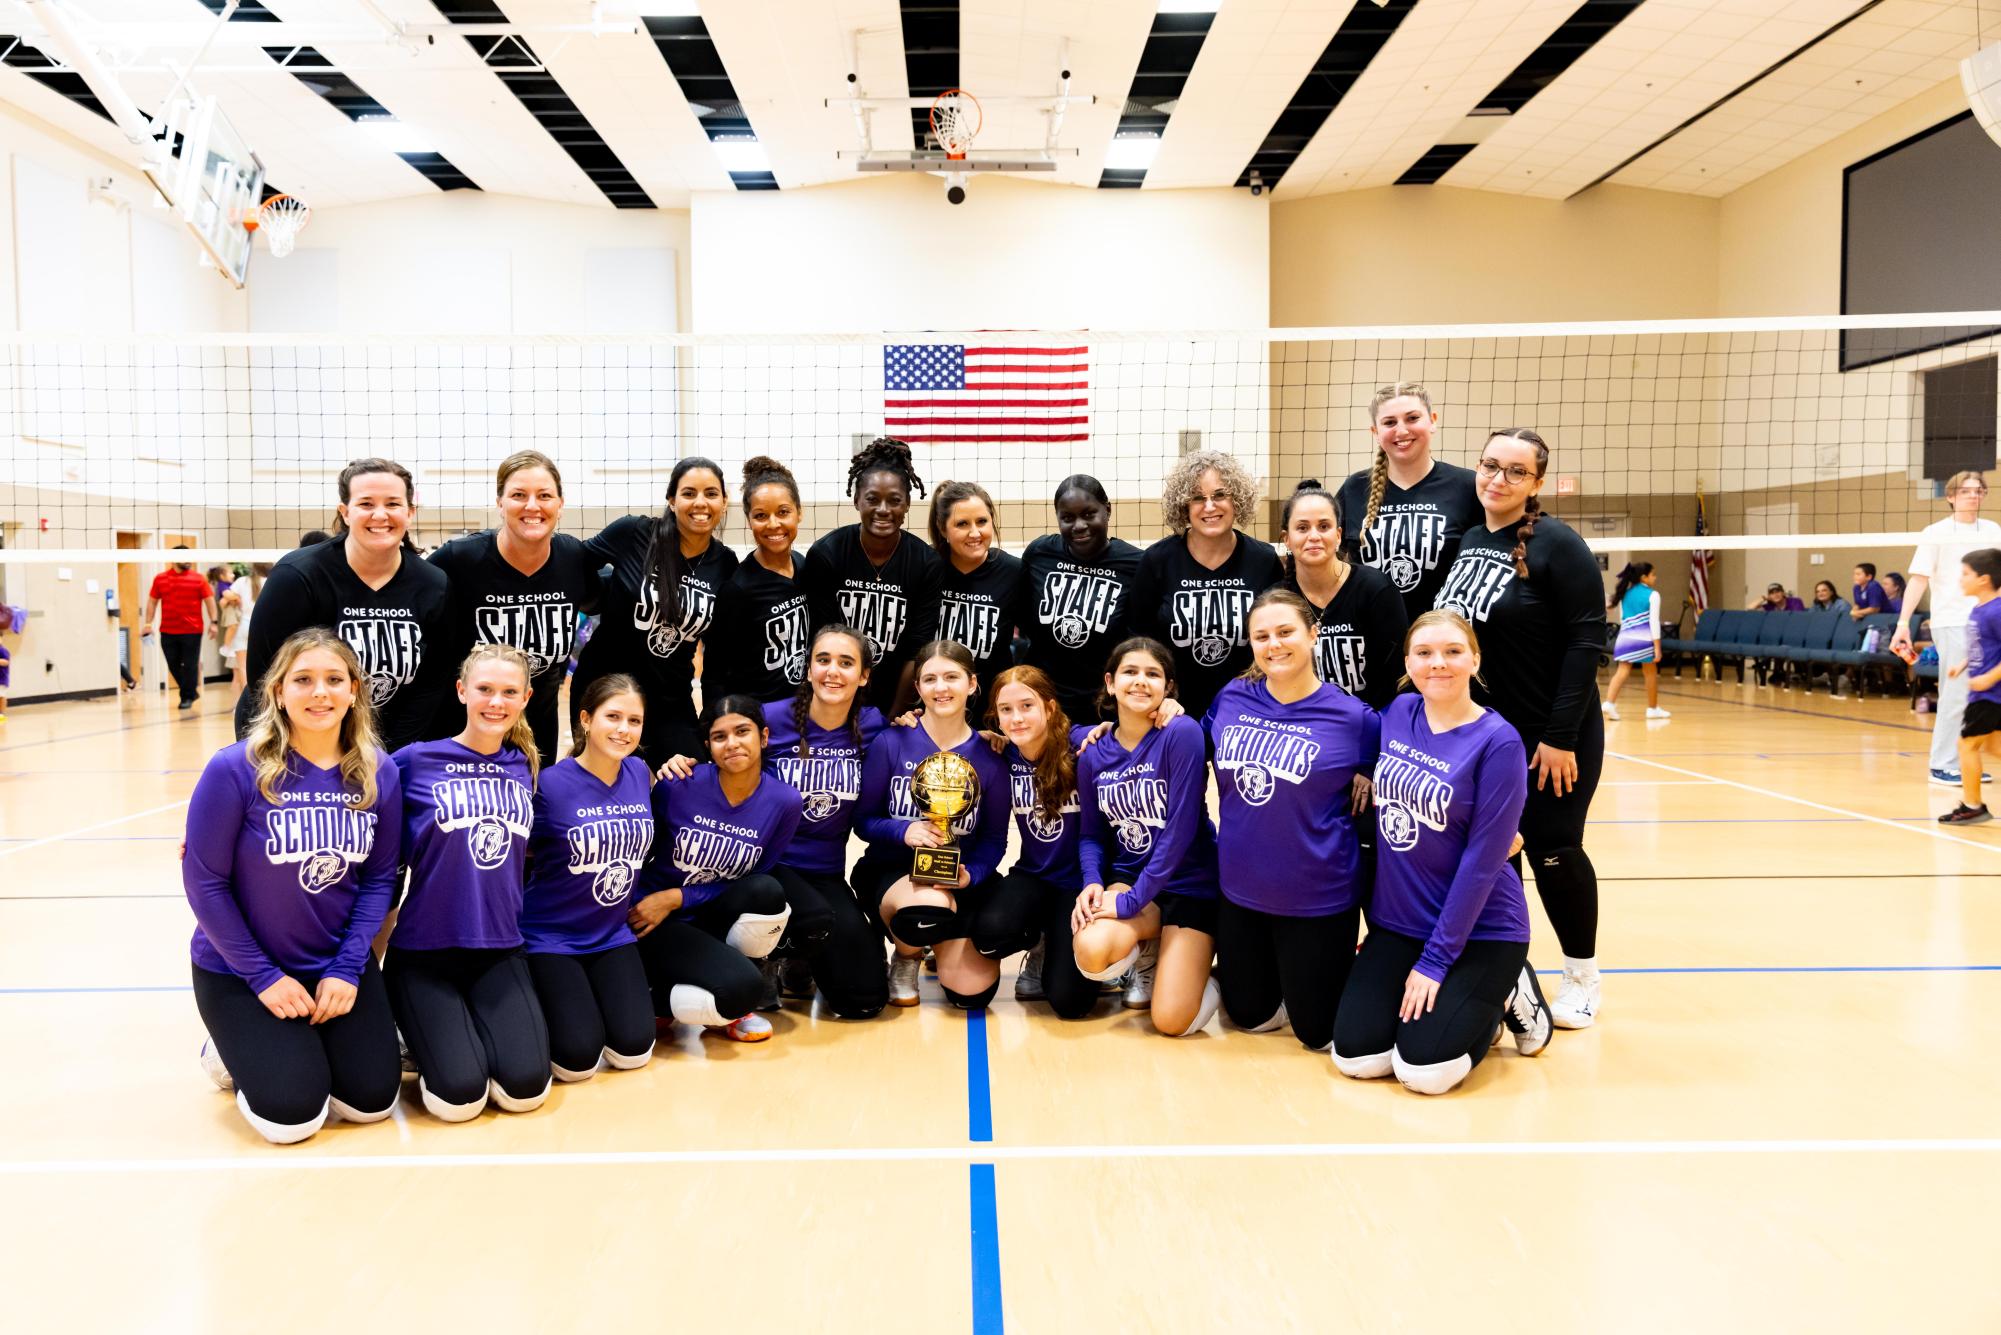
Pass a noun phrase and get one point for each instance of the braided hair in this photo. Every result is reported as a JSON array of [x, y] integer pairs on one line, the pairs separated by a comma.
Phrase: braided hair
[[802, 699], [1533, 510], [664, 563], [884, 454], [1308, 488], [1379, 469]]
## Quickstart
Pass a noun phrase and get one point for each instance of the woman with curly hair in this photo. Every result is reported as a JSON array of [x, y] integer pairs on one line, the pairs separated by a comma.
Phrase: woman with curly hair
[[1405, 513], [1193, 591], [874, 576]]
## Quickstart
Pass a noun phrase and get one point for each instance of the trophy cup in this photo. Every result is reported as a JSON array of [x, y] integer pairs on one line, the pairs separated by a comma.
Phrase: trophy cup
[[942, 787]]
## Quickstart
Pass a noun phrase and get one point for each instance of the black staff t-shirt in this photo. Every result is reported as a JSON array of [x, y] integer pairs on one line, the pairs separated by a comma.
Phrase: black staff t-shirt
[[632, 634], [401, 632], [1540, 637], [1075, 612], [1417, 530], [980, 610], [493, 603], [1202, 614], [758, 644], [1359, 643], [894, 604]]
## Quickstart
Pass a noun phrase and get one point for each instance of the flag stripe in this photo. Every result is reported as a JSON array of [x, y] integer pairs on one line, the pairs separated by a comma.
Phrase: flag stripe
[[988, 440], [1029, 384], [995, 421], [1065, 367], [987, 403], [1026, 352]]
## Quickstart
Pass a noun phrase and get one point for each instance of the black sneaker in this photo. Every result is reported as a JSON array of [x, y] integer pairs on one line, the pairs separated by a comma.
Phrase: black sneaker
[[1966, 815], [768, 999], [795, 979]]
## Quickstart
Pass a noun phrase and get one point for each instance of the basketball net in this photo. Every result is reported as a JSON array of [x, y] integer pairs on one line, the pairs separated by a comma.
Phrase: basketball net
[[281, 218], [955, 121]]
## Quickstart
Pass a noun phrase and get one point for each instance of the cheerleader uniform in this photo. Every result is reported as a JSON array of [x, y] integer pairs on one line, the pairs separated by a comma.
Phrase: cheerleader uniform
[[1639, 625]]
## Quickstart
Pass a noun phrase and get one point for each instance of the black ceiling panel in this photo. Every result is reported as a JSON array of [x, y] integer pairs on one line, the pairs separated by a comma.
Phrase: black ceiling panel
[[319, 76], [249, 11], [1362, 34], [1434, 164], [692, 58], [31, 62], [930, 57], [1164, 66], [1559, 51]]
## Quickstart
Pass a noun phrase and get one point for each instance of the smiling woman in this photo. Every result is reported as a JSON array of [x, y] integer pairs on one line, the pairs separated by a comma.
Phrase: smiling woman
[[980, 605]]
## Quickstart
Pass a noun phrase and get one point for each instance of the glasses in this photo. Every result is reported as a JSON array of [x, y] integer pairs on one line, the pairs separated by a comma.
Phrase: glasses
[[1514, 473]]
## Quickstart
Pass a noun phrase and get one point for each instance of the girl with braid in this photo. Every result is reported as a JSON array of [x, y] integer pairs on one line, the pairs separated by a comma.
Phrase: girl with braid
[[874, 576], [667, 574], [1406, 512], [1531, 589]]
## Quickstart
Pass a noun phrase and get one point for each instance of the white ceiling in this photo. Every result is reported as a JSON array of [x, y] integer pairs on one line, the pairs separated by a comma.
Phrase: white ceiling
[[1664, 64]]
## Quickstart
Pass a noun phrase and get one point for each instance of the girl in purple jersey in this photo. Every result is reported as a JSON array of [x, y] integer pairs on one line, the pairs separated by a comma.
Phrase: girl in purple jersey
[[1146, 850], [290, 861], [592, 832], [1033, 904], [459, 983], [1292, 756], [1446, 958], [712, 907], [915, 916]]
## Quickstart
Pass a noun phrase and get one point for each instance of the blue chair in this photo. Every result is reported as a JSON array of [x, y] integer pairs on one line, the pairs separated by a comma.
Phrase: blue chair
[[1816, 638], [1737, 638], [1701, 642]]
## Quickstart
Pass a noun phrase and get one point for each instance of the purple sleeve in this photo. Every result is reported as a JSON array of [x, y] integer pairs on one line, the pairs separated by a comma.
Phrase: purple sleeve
[[659, 873], [1184, 765], [989, 842], [1090, 826], [781, 836], [376, 885], [215, 819], [1500, 788], [875, 823]]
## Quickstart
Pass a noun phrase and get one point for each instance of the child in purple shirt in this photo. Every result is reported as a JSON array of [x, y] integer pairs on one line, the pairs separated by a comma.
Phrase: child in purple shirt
[[460, 985], [292, 838], [1146, 850], [593, 830], [1446, 957], [1979, 577], [1292, 755]]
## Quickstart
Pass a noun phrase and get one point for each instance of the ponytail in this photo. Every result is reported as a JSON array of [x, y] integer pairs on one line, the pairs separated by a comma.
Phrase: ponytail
[[1379, 468], [664, 563]]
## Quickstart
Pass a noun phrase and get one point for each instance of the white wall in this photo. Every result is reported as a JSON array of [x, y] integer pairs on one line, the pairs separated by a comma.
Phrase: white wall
[[888, 252]]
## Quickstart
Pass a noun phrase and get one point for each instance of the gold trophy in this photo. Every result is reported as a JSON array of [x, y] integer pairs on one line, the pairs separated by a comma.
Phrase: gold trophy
[[942, 787]]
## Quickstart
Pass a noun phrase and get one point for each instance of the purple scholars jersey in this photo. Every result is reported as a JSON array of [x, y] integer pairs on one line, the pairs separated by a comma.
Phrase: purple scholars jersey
[[1447, 807], [1048, 847], [466, 821], [829, 780], [1983, 646], [296, 886], [887, 809], [584, 857], [703, 841], [1285, 774], [1146, 815]]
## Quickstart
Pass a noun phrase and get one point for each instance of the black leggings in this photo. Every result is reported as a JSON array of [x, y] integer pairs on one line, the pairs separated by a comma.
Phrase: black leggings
[[1553, 840], [1265, 960], [1024, 908], [593, 1003], [829, 930], [470, 1016], [715, 983], [285, 1070], [755, 893], [183, 655], [1460, 1023], [876, 872]]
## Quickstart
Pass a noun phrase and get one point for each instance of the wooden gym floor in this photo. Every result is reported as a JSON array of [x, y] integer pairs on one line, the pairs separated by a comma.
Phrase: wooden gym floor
[[1785, 1120]]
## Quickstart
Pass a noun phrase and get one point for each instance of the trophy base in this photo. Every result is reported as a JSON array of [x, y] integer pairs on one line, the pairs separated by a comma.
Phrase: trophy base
[[935, 866]]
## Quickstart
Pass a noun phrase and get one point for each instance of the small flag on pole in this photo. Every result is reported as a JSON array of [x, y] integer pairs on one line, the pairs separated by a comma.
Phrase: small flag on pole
[[1698, 561]]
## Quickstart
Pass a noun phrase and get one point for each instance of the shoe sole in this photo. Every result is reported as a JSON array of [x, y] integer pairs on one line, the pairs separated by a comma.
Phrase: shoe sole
[[1146, 1005], [735, 1037], [1586, 1023], [1966, 820], [904, 1001]]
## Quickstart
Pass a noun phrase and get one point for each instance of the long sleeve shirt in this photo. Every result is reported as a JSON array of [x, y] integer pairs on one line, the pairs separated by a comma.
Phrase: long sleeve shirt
[[466, 822], [887, 808], [1146, 816], [589, 843], [705, 841]]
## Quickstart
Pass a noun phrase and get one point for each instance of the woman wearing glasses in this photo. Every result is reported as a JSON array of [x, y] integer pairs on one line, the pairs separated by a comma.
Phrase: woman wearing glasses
[[1532, 590]]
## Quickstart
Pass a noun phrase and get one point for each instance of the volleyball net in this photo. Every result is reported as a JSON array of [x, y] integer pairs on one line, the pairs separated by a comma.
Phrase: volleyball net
[[1799, 443]]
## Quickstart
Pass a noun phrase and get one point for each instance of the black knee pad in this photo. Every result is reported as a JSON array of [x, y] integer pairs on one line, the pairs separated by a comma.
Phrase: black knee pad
[[926, 925], [971, 1001]]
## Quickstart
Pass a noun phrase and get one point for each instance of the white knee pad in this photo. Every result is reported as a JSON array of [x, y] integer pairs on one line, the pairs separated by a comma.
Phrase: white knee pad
[[1278, 1020], [569, 1077], [1437, 1078], [622, 1061], [1374, 1066], [1212, 997], [695, 1005], [278, 1133], [508, 1103], [348, 1113], [449, 1112], [1111, 971], [755, 935]]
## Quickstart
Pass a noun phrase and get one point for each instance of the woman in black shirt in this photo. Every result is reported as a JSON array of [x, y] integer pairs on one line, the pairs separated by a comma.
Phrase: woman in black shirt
[[1533, 590], [1404, 513], [369, 586], [874, 576], [980, 601], [758, 645], [666, 577], [1361, 623], [1076, 608]]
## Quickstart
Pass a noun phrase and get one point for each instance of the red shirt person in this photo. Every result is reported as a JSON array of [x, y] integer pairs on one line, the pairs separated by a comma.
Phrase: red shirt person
[[182, 599]]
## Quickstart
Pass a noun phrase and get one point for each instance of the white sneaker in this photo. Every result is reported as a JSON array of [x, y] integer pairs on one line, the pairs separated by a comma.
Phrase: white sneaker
[[1139, 995], [1610, 710], [211, 1065], [1576, 1004], [1656, 712], [1526, 1015], [903, 971], [1028, 983]]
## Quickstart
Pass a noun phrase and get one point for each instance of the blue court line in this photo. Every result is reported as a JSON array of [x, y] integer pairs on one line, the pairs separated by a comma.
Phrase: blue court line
[[988, 1314], [979, 1090]]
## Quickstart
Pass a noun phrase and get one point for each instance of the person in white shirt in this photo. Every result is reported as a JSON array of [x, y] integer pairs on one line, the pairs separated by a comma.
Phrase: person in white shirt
[[1936, 566]]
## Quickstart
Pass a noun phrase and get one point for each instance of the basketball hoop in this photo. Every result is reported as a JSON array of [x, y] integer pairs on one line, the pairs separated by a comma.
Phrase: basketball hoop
[[282, 218], [955, 121]]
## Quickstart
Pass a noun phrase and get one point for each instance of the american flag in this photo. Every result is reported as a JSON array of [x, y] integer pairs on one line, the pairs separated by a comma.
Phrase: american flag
[[1698, 561], [953, 393]]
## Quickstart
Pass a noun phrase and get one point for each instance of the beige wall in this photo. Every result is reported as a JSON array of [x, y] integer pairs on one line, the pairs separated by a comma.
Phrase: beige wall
[[1436, 255]]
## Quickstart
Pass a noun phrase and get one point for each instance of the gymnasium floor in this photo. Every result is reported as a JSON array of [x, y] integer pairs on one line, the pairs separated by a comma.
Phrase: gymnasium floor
[[1784, 1121]]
